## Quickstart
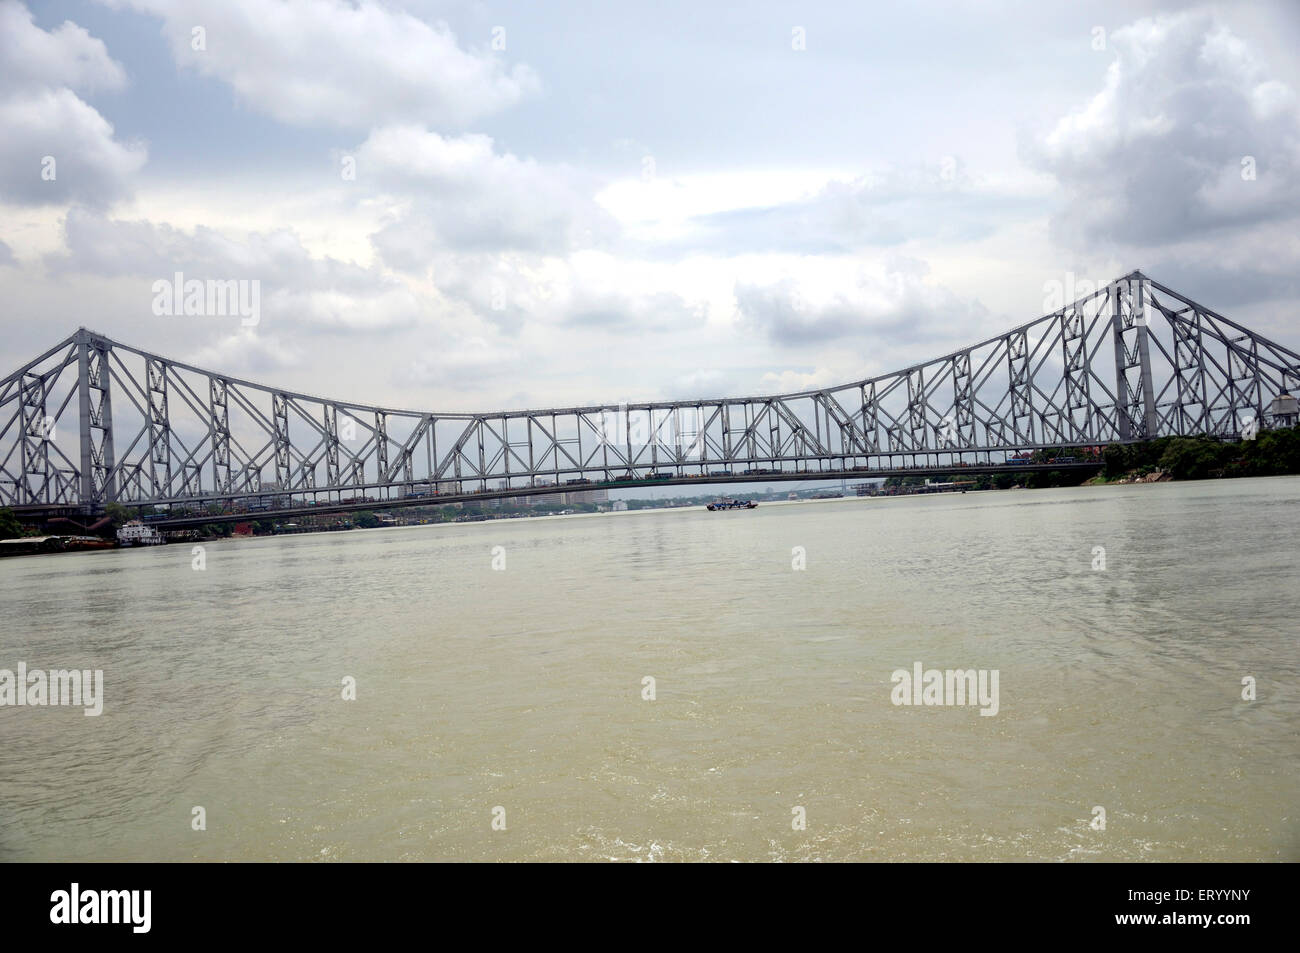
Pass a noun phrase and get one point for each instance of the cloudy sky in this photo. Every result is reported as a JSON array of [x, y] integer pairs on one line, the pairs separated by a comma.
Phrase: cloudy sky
[[480, 205]]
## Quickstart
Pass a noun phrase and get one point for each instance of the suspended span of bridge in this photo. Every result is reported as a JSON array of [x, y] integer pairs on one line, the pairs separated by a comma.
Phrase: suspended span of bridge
[[93, 420]]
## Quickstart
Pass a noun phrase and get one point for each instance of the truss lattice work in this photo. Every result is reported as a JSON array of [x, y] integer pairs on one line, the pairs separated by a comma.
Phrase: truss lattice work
[[93, 420]]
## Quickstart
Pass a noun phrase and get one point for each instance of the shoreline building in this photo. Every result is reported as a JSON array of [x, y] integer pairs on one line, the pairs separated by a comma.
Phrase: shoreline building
[[585, 496]]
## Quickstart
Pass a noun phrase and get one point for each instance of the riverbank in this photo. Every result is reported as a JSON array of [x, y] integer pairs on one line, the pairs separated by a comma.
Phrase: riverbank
[[1271, 453], [1133, 476]]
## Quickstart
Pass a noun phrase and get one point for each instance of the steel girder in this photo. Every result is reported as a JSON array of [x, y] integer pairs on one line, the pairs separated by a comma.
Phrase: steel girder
[[153, 430]]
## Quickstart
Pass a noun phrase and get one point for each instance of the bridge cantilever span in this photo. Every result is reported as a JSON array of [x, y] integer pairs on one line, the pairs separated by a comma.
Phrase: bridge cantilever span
[[1132, 361]]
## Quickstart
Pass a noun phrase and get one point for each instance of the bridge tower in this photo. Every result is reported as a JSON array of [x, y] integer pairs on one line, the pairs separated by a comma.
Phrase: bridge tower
[[1136, 410], [94, 386]]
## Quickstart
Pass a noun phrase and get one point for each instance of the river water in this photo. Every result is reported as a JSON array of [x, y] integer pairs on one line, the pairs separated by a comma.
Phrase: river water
[[516, 697]]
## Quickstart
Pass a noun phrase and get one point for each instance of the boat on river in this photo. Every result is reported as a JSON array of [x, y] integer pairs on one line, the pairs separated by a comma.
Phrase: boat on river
[[136, 533], [731, 505]]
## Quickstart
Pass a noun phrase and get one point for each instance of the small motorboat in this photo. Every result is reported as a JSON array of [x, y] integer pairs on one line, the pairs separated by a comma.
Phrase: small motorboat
[[731, 505]]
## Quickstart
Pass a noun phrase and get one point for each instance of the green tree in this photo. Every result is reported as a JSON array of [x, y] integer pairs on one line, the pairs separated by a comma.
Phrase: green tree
[[1191, 458], [118, 513], [1118, 460], [10, 528], [1273, 452]]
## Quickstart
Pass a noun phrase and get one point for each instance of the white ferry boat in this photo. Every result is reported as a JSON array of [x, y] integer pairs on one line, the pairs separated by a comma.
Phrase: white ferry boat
[[135, 533]]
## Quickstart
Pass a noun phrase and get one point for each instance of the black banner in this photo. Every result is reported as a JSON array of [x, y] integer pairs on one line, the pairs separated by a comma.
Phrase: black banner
[[1220, 903]]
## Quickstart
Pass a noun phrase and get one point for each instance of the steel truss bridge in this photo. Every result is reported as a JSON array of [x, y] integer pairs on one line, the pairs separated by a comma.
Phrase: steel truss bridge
[[93, 421]]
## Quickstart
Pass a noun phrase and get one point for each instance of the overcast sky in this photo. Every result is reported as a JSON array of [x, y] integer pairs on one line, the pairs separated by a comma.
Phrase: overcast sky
[[480, 205]]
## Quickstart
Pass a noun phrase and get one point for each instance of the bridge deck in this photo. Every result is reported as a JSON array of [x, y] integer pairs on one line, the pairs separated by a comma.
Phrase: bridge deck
[[701, 482]]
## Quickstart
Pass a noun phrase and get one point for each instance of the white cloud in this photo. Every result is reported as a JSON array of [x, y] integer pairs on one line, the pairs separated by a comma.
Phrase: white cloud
[[890, 298], [56, 148], [458, 193], [657, 207], [467, 271], [298, 290], [1158, 154], [250, 352], [66, 56], [331, 63], [459, 361], [591, 292], [788, 382], [819, 211]]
